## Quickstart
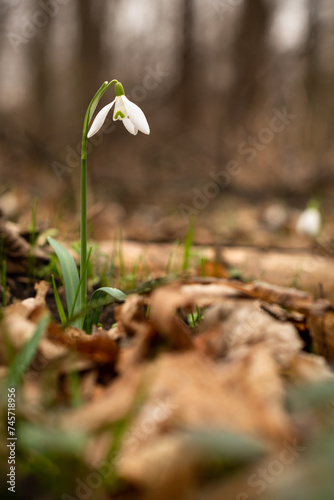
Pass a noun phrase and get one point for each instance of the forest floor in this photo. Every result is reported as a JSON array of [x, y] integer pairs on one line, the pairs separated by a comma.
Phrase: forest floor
[[213, 379]]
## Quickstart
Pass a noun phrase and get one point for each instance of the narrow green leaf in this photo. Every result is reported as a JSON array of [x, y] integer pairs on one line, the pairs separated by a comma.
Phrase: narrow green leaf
[[4, 282], [188, 244], [70, 277], [226, 447], [317, 395], [60, 308], [83, 274], [92, 317], [50, 440], [23, 359], [89, 307], [170, 257]]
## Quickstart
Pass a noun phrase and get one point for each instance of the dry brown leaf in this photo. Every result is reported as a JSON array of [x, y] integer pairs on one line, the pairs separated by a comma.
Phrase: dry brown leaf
[[322, 333], [272, 293], [131, 316], [164, 463], [248, 325], [214, 268], [235, 325], [98, 346], [210, 293], [281, 314], [18, 250], [185, 391], [188, 391], [217, 395], [16, 327], [307, 368], [132, 322], [19, 325], [210, 290], [48, 351], [19, 322], [114, 403], [290, 298], [33, 302], [165, 302]]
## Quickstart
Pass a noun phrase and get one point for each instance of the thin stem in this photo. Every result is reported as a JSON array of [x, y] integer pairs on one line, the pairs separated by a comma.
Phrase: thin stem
[[80, 281], [83, 225]]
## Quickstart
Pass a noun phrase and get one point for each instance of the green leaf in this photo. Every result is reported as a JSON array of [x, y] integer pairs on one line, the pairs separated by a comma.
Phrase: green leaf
[[82, 277], [92, 317], [188, 244], [23, 359], [51, 441], [60, 308], [70, 278], [226, 447], [317, 395]]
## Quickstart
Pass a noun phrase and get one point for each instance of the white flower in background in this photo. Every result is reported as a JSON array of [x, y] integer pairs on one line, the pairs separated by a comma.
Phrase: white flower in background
[[131, 115], [309, 222]]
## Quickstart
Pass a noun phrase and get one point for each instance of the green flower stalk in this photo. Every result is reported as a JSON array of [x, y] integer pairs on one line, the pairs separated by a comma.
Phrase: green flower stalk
[[133, 119], [83, 219]]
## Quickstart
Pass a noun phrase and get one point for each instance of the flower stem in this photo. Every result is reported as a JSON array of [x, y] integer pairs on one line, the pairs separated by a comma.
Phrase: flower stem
[[83, 225]]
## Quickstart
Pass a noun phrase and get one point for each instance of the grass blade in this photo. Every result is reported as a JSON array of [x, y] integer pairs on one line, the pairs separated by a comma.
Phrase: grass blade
[[90, 307], [188, 244], [226, 448], [70, 278], [170, 257], [83, 274], [60, 308], [4, 282], [92, 317]]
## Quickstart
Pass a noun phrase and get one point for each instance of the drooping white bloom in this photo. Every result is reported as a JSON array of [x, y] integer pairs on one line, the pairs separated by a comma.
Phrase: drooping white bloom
[[131, 115], [309, 222]]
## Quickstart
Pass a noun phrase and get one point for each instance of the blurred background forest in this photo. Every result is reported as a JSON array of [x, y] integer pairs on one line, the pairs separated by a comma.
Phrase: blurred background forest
[[220, 81]]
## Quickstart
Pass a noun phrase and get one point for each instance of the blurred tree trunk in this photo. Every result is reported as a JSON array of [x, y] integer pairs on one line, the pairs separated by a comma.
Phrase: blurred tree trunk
[[91, 58], [312, 74], [4, 15], [187, 70], [318, 125], [39, 101], [250, 58], [318, 85], [312, 51], [184, 96], [91, 63]]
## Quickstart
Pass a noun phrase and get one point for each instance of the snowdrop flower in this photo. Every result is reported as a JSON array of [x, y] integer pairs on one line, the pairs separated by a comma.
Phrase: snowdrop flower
[[131, 115], [309, 222]]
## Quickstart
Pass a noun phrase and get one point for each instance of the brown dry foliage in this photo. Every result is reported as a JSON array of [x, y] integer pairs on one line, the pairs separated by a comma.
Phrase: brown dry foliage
[[166, 379]]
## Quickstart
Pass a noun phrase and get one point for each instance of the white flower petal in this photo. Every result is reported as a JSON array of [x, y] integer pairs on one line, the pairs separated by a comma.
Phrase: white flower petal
[[136, 115], [100, 119], [119, 107], [309, 222], [130, 126]]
